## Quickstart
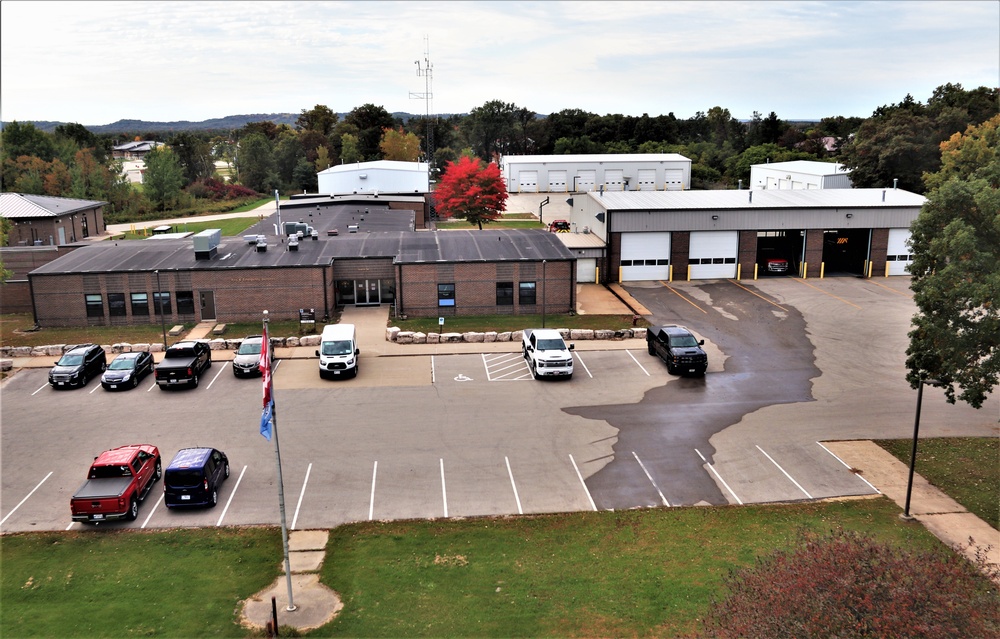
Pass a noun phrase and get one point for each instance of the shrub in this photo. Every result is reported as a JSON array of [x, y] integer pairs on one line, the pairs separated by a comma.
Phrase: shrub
[[847, 585], [212, 189]]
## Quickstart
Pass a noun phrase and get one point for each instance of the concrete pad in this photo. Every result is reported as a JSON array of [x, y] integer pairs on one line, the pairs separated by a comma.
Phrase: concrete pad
[[315, 604], [307, 540], [304, 560], [957, 529]]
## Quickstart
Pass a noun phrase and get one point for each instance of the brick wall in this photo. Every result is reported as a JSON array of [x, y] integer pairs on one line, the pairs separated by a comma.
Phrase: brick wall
[[15, 293]]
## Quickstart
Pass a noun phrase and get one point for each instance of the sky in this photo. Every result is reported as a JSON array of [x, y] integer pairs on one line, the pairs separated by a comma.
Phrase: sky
[[96, 63]]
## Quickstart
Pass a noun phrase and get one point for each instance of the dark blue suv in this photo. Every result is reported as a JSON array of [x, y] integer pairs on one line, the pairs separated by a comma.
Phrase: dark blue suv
[[194, 477]]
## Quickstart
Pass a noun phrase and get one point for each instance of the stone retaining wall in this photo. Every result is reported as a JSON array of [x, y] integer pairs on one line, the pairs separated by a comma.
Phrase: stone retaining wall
[[393, 334]]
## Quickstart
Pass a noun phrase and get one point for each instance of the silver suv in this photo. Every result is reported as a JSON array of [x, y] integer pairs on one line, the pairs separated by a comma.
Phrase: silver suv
[[247, 360]]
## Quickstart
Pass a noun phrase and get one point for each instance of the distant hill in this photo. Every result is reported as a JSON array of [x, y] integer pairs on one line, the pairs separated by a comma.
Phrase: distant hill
[[230, 122]]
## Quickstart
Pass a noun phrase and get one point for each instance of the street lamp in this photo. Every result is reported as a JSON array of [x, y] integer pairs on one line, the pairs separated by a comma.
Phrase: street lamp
[[159, 299], [906, 516]]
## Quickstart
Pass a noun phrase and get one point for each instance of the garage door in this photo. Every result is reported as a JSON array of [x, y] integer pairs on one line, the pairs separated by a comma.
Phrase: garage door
[[647, 179], [585, 180], [713, 254], [527, 182], [586, 270], [645, 256], [557, 181], [898, 253], [673, 179], [614, 179]]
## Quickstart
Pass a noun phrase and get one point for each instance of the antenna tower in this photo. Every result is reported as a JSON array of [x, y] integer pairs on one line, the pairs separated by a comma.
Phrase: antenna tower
[[426, 70]]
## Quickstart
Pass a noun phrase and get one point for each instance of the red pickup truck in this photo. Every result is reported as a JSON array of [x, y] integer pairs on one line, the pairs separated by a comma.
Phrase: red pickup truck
[[118, 480]]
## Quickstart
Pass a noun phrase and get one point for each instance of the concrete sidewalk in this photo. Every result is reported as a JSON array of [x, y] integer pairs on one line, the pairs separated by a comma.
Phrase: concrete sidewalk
[[945, 518]]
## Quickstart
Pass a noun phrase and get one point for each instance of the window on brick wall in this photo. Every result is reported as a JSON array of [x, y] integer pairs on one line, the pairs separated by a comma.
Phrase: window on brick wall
[[140, 304], [446, 294], [505, 293], [161, 299], [116, 304], [526, 293], [95, 305], [185, 302]]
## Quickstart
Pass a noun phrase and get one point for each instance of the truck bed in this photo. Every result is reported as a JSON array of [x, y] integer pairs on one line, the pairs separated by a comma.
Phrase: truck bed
[[103, 488]]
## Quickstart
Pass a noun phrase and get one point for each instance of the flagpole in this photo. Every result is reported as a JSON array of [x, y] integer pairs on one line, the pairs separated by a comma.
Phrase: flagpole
[[266, 347]]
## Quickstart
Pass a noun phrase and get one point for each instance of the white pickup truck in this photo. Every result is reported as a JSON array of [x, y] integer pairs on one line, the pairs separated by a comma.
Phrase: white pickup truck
[[546, 353]]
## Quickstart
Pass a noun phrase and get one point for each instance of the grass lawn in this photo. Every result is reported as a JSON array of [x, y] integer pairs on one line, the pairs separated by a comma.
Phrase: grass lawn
[[966, 468], [230, 227], [503, 323], [631, 573], [14, 332]]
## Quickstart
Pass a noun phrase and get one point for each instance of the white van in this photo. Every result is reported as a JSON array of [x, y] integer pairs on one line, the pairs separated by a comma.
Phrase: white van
[[338, 351]]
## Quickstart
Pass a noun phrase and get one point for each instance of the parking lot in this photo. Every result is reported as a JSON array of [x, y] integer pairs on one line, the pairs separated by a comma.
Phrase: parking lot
[[792, 363]]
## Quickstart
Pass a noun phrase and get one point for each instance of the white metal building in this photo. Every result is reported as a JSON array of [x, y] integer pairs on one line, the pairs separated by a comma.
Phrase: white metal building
[[799, 174], [385, 176], [596, 172], [730, 234]]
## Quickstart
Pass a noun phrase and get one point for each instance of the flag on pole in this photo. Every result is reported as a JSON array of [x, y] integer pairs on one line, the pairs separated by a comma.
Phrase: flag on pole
[[267, 416]]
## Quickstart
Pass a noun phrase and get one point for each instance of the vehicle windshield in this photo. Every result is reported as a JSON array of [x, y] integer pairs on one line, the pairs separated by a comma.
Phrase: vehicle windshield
[[684, 341], [249, 348], [70, 360], [551, 345], [338, 347], [122, 364]]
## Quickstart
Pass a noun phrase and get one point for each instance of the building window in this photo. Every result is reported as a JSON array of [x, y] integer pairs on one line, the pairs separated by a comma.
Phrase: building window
[[161, 299], [526, 293], [446, 294], [116, 304], [140, 304], [505, 293], [185, 302], [95, 305]]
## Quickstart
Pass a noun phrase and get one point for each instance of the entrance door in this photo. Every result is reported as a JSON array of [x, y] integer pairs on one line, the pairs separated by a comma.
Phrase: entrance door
[[366, 292], [207, 305]]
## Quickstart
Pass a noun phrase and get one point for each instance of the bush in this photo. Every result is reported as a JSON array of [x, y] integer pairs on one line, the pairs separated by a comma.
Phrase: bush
[[847, 585], [212, 189]]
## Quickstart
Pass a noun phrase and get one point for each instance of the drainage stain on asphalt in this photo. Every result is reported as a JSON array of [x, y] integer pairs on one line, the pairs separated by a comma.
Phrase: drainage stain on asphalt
[[769, 360]]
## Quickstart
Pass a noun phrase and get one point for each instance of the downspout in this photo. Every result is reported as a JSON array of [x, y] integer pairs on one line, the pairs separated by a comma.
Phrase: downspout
[[399, 289], [31, 292], [326, 294]]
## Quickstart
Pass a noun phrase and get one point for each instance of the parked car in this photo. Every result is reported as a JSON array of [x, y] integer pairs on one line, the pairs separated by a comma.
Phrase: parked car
[[182, 363], [247, 360], [127, 370], [78, 366], [776, 265], [194, 477], [678, 348], [117, 481]]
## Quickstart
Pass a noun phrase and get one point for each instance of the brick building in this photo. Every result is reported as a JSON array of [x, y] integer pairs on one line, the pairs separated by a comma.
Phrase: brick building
[[43, 220]]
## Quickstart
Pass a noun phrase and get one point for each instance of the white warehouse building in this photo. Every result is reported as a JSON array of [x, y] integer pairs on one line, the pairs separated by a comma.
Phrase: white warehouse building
[[799, 174], [596, 172], [382, 176]]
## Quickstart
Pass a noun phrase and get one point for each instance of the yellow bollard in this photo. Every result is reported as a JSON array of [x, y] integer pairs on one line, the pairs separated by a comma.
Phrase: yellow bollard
[[670, 273], [822, 269], [755, 267], [689, 273], [739, 271]]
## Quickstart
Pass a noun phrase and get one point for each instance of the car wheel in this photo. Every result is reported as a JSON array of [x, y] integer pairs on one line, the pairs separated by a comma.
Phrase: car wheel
[[534, 371], [133, 509], [135, 382], [671, 369], [215, 498], [227, 471], [650, 350], [84, 380], [158, 473], [194, 382]]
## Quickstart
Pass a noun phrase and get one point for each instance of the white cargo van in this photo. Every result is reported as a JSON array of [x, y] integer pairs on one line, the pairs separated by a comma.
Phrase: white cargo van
[[338, 352]]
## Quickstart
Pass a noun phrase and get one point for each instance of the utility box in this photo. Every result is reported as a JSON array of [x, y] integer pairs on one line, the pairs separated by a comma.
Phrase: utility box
[[206, 244]]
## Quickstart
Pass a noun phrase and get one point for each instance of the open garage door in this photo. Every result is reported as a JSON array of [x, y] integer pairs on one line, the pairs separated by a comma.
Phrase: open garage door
[[586, 270], [845, 251], [713, 254], [898, 255], [527, 181], [645, 256]]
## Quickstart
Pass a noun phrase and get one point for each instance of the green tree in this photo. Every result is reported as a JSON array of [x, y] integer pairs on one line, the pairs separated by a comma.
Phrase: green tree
[[349, 151], [255, 163], [401, 146], [471, 191], [304, 175], [22, 138], [956, 270], [195, 156], [164, 178], [492, 129], [738, 166], [287, 153], [319, 118], [370, 121]]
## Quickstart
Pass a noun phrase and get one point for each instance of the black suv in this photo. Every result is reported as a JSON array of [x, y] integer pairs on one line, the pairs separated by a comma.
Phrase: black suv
[[78, 365], [194, 477], [676, 346]]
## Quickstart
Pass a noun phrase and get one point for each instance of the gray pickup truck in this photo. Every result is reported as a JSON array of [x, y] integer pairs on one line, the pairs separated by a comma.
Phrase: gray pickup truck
[[182, 364]]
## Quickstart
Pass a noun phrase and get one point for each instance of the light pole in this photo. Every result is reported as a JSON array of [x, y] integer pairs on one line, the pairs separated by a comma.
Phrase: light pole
[[159, 299], [906, 516]]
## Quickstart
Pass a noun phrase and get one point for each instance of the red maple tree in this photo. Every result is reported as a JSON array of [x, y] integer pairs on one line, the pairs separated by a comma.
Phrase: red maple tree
[[472, 191]]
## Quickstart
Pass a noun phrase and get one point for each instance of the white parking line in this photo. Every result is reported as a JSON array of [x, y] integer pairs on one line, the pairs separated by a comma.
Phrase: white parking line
[[302, 494], [153, 385], [444, 491], [848, 467], [155, 506], [95, 388], [231, 495], [584, 368], [638, 364], [797, 485], [371, 502], [513, 486], [583, 483], [39, 390], [650, 477], [432, 369], [509, 363], [221, 371], [26, 497], [719, 477]]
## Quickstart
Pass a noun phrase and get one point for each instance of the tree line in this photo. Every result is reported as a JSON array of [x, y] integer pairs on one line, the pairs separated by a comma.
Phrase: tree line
[[898, 142]]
